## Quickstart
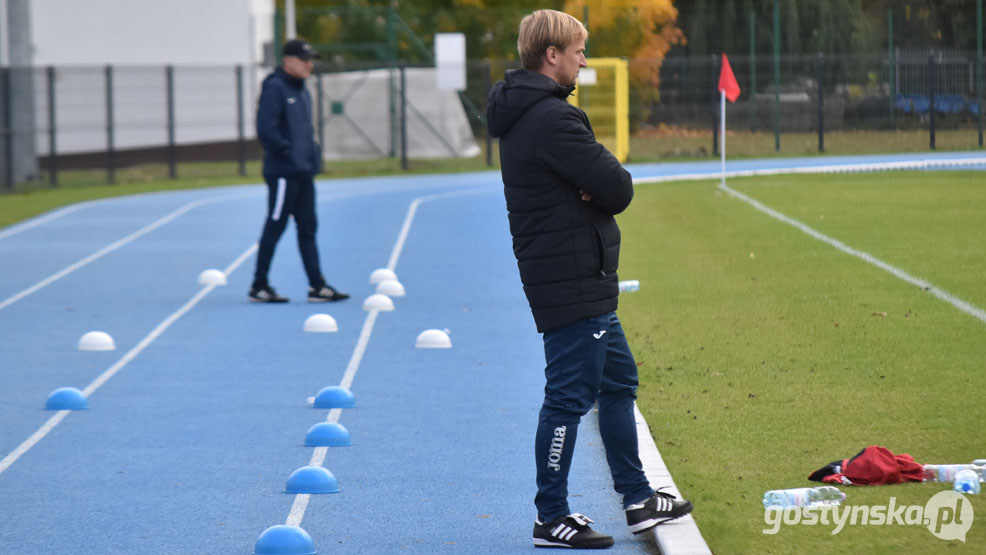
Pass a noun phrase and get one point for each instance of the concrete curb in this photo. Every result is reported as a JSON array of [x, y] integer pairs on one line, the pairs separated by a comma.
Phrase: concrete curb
[[681, 536]]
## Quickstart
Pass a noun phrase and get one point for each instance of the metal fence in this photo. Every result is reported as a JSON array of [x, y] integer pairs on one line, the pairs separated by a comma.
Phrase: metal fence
[[104, 119], [83, 118], [908, 91], [96, 121]]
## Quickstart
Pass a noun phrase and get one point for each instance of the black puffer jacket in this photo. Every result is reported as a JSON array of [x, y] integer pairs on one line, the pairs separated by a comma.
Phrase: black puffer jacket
[[567, 249]]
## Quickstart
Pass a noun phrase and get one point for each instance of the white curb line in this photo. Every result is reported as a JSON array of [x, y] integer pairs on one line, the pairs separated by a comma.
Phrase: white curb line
[[681, 536]]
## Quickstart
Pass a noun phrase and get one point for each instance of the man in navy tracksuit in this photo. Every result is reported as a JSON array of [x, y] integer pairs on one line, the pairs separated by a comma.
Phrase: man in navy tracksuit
[[292, 158], [562, 190]]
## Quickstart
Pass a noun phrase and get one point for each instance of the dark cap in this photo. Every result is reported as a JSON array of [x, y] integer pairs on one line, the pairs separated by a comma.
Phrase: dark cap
[[299, 49]]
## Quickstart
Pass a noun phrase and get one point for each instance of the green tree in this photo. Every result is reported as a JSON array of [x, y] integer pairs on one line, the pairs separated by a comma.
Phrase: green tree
[[926, 23], [829, 26]]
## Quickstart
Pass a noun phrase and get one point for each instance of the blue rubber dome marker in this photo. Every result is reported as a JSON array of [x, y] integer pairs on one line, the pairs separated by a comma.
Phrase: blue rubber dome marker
[[66, 398], [327, 434], [284, 539], [311, 479], [334, 397]]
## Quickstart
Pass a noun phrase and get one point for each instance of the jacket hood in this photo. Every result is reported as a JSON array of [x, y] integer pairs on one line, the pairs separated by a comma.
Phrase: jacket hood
[[519, 90]]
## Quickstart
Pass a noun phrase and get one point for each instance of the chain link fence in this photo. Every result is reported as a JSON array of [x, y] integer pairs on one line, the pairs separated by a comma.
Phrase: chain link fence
[[90, 124], [94, 121], [822, 103]]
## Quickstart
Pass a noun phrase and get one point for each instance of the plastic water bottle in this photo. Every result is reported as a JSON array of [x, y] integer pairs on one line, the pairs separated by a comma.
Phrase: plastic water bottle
[[980, 465], [629, 286], [967, 481], [943, 472], [803, 497]]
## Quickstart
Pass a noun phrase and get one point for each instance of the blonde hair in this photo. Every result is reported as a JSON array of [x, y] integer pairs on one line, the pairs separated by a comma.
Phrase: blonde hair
[[545, 28]]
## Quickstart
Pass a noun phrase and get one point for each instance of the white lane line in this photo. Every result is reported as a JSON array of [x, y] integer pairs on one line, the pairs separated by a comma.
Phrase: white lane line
[[42, 220], [402, 236], [147, 340], [300, 504], [958, 303], [412, 210], [37, 436], [113, 246], [928, 164], [118, 365], [58, 213]]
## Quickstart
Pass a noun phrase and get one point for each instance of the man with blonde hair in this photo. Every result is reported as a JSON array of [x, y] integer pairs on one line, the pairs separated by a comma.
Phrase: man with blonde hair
[[562, 190]]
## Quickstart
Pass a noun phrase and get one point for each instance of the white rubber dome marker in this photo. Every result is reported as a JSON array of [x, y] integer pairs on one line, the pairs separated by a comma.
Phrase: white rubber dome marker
[[96, 341], [382, 274], [212, 277], [378, 302], [433, 339], [320, 323], [391, 288]]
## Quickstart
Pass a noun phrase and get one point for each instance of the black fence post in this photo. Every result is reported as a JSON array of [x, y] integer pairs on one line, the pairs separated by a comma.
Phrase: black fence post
[[891, 64], [170, 85], [404, 163], [777, 75], [320, 111], [110, 128], [979, 67], [52, 130], [714, 90], [8, 135], [932, 89], [488, 84], [240, 136], [820, 78], [753, 72]]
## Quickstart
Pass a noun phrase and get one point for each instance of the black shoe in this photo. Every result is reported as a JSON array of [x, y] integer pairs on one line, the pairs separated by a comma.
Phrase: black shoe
[[266, 294], [325, 293], [661, 507], [570, 531]]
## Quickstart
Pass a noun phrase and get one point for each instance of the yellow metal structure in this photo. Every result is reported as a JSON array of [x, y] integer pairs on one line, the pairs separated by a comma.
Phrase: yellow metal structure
[[604, 93]]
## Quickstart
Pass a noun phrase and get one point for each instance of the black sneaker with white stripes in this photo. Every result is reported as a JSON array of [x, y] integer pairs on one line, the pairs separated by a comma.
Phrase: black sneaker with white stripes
[[265, 294], [660, 507], [569, 531], [325, 293]]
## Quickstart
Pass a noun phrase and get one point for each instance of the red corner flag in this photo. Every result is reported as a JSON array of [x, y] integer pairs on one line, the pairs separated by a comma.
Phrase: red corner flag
[[727, 81]]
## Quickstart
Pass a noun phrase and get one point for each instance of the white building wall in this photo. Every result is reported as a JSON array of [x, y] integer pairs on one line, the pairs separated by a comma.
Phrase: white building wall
[[141, 32], [203, 39]]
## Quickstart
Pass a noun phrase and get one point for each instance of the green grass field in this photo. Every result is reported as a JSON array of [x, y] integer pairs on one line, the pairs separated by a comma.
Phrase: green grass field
[[765, 354], [683, 144]]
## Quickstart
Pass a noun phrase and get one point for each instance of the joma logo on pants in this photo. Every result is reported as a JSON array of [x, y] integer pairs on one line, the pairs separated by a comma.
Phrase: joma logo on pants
[[557, 444]]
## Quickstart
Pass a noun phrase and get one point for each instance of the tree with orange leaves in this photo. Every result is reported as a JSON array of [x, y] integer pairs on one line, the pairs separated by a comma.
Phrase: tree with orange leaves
[[641, 30]]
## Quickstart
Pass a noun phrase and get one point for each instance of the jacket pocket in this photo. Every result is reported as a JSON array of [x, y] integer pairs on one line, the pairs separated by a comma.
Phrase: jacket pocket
[[608, 243], [600, 250]]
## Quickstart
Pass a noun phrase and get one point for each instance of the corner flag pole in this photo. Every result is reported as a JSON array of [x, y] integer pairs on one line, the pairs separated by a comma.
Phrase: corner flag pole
[[722, 132], [728, 89]]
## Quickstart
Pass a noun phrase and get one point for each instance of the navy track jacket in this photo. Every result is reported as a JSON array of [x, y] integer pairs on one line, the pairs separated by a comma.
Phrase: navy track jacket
[[284, 127], [567, 249]]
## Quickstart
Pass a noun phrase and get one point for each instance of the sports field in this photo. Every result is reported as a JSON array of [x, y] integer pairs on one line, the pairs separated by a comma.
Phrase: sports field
[[765, 353]]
